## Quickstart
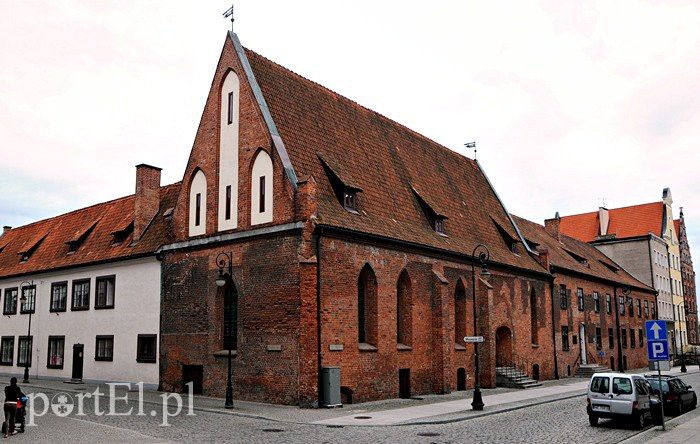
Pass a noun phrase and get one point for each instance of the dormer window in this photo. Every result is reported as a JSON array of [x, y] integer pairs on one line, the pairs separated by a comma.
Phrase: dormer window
[[510, 241], [343, 185], [349, 199], [440, 226], [580, 259], [30, 247], [121, 234], [436, 219], [79, 237]]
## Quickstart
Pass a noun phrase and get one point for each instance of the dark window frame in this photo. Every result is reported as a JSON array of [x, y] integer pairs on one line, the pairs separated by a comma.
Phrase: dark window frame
[[230, 108], [75, 283], [580, 297], [598, 338], [350, 200], [641, 338], [52, 307], [563, 297], [99, 338], [439, 226], [198, 209], [639, 308], [565, 337], [20, 363], [621, 303], [623, 337], [14, 303], [2, 350], [228, 202], [608, 304], [48, 352], [611, 338], [646, 309], [596, 302], [107, 278], [140, 357], [261, 191], [32, 290], [633, 342]]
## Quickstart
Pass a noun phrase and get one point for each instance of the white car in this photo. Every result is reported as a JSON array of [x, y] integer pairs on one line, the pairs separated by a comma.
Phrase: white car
[[619, 395]]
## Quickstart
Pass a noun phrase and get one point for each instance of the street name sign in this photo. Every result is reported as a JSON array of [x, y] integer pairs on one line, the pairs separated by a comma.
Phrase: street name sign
[[473, 339]]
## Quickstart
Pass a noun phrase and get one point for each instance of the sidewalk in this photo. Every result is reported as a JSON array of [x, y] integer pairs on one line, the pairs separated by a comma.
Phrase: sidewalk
[[426, 409]]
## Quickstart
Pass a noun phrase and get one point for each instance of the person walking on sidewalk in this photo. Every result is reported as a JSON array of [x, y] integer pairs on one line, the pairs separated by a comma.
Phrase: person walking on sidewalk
[[12, 394]]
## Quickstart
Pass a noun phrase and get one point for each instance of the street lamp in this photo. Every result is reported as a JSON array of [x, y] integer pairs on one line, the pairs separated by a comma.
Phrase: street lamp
[[483, 257], [23, 299], [225, 276]]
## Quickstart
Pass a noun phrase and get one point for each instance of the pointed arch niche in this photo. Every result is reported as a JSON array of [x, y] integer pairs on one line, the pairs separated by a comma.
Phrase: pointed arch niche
[[261, 193], [228, 153], [198, 204]]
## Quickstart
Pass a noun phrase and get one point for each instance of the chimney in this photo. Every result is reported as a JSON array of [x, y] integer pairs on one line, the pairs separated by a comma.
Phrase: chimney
[[551, 226], [604, 219], [147, 198], [5, 229]]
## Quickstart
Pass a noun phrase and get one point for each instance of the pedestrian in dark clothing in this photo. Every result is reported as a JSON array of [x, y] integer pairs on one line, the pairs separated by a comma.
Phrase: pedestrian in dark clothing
[[12, 394]]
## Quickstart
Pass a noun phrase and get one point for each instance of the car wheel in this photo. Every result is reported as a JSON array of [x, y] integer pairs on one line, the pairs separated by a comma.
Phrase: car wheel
[[593, 420], [695, 402], [639, 423], [679, 407]]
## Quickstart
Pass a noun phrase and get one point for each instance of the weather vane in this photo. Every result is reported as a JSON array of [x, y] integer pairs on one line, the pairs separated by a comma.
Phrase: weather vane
[[471, 145], [229, 13]]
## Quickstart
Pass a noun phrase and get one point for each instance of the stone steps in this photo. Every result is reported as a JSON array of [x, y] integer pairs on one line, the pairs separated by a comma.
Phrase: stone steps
[[512, 377], [587, 370]]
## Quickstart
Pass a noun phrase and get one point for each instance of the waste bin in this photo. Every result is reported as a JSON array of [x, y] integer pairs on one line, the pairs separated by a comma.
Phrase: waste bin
[[331, 386]]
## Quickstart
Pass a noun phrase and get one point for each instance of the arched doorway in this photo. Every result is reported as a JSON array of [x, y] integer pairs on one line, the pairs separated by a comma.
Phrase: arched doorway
[[504, 347]]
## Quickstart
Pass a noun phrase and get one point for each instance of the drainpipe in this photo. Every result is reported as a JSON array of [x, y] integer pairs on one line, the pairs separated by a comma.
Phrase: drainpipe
[[318, 317], [619, 340], [554, 334]]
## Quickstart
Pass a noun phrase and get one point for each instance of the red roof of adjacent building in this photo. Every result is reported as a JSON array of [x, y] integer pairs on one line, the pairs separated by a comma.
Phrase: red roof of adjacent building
[[677, 226], [47, 241], [626, 222], [388, 162]]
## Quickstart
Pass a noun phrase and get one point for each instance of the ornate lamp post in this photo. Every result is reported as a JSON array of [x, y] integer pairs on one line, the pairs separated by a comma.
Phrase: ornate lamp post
[[483, 257], [23, 299], [224, 262]]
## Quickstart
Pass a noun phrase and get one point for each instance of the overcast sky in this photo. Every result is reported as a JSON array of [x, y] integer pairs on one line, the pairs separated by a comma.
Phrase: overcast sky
[[571, 103]]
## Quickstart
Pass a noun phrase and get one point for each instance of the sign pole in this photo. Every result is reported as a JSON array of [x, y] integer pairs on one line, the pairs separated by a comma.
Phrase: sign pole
[[661, 396]]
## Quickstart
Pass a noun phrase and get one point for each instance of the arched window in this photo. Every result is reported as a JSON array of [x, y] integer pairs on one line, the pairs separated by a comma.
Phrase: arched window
[[404, 309], [230, 316], [367, 306], [460, 313], [198, 204], [533, 315], [228, 153], [261, 194]]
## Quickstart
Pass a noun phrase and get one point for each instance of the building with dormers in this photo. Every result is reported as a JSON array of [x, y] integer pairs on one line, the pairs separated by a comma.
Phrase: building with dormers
[[91, 281]]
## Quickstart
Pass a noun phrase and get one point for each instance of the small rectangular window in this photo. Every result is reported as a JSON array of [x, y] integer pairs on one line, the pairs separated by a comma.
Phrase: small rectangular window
[[563, 297], [146, 348], [10, 305], [104, 348], [349, 201], [24, 351], [646, 309], [611, 338], [104, 295], [641, 337], [579, 295], [598, 338], [262, 194], [623, 337], [440, 226], [639, 308], [55, 356], [228, 202], [621, 301], [608, 304], [7, 350], [81, 295], [59, 296], [565, 338], [29, 298], [198, 209], [230, 108], [596, 302], [632, 339]]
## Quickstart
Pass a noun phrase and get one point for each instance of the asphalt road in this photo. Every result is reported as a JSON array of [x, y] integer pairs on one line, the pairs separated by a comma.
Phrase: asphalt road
[[559, 421]]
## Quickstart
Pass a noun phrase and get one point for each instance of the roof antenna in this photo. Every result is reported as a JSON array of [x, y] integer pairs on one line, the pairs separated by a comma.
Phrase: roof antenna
[[229, 13], [471, 145]]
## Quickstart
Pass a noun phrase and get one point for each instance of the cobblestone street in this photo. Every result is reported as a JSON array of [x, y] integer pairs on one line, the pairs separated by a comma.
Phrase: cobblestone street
[[557, 421]]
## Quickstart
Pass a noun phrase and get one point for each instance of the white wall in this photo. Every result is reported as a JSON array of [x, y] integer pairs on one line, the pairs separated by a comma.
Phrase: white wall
[[136, 311], [262, 167], [228, 153], [199, 185]]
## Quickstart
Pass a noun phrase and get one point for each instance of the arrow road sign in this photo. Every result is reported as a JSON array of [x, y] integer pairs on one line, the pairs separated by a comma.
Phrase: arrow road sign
[[657, 350], [473, 339], [656, 330]]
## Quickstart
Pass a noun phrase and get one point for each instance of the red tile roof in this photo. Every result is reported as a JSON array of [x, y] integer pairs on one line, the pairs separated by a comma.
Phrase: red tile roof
[[562, 254], [677, 226], [626, 222], [386, 160], [54, 233]]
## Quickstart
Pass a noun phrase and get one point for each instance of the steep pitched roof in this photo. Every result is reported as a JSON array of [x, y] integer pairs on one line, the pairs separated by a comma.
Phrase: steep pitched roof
[[626, 222], [387, 161], [677, 226], [567, 253], [49, 237]]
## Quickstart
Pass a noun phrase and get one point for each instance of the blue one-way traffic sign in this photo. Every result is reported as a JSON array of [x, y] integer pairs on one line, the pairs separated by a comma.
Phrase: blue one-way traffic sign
[[656, 330]]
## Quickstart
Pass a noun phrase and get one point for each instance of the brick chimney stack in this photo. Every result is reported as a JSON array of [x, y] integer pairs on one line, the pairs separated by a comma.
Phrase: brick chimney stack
[[5, 229], [147, 201], [551, 226]]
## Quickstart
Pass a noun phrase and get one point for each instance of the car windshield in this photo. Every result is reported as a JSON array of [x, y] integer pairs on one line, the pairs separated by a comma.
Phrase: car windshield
[[655, 384]]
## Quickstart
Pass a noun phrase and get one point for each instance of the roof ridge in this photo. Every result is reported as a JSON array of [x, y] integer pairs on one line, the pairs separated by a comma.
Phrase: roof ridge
[[614, 209], [87, 208], [359, 105]]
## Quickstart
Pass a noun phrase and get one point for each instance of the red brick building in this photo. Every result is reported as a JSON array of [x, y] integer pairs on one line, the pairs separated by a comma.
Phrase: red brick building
[[688, 279], [352, 241], [599, 309]]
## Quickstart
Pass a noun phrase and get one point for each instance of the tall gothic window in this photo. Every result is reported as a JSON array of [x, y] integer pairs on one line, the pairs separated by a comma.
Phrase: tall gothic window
[[460, 313], [404, 305], [533, 315], [367, 306], [230, 316]]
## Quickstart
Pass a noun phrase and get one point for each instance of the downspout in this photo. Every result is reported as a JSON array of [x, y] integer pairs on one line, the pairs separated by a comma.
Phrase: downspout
[[318, 316], [619, 340], [554, 334]]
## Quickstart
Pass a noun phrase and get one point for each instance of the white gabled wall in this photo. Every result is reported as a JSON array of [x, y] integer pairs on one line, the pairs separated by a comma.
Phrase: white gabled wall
[[228, 152], [136, 311], [262, 167], [198, 186]]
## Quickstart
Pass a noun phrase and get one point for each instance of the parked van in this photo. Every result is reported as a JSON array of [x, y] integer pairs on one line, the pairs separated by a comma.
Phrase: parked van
[[619, 395]]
